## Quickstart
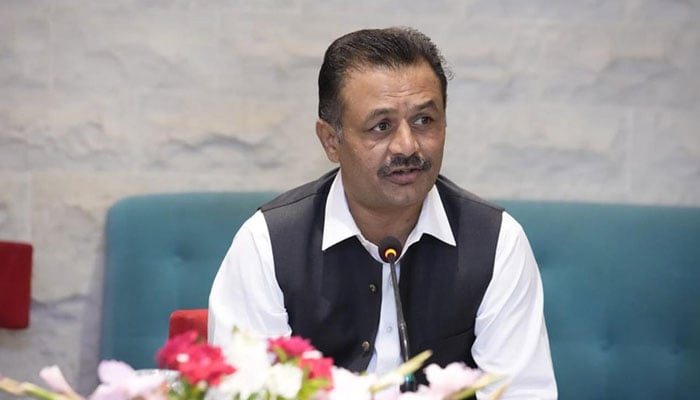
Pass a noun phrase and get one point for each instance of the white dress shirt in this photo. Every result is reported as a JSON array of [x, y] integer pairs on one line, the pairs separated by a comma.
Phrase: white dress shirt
[[511, 336]]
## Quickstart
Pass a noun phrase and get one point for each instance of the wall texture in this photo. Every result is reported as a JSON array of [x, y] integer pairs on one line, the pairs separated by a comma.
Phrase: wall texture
[[588, 100]]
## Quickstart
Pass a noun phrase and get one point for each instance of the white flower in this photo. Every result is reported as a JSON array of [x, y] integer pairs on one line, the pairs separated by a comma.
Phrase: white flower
[[314, 354], [453, 378], [248, 353], [284, 380], [350, 386]]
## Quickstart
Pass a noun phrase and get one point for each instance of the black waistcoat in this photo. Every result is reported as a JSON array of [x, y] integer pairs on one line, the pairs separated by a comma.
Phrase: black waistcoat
[[333, 297]]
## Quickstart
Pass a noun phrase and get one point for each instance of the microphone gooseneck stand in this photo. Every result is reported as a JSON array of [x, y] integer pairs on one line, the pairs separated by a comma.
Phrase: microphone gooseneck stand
[[389, 251]]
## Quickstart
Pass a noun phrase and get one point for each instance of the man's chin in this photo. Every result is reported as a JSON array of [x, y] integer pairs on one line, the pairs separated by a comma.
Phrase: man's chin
[[406, 195]]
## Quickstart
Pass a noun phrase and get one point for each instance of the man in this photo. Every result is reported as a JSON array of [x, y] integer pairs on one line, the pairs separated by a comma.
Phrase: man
[[307, 263]]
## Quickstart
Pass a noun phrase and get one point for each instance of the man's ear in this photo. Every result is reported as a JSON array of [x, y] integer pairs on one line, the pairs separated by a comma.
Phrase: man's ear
[[329, 139]]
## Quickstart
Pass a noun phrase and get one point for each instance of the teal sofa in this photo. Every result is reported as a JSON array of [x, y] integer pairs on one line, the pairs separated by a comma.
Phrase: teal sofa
[[622, 301]]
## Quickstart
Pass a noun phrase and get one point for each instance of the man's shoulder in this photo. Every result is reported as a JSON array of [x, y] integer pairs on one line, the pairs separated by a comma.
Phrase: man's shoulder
[[307, 191], [450, 191]]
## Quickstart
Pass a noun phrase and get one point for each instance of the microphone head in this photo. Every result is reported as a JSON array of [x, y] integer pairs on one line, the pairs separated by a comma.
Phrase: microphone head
[[389, 249]]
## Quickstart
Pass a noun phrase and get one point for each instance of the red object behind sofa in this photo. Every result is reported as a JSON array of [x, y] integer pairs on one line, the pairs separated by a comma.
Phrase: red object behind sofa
[[15, 284], [185, 320]]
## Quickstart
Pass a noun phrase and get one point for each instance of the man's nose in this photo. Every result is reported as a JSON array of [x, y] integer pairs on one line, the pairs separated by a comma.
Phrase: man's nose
[[403, 141]]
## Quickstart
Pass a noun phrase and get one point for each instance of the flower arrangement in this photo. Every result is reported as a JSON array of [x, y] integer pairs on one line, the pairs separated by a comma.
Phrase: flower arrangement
[[251, 368]]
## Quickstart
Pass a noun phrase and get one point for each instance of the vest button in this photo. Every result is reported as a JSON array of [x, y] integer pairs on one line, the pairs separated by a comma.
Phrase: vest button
[[365, 346], [372, 288]]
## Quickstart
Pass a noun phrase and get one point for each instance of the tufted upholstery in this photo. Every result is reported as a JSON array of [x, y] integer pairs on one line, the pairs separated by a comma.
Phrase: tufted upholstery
[[162, 252], [621, 297]]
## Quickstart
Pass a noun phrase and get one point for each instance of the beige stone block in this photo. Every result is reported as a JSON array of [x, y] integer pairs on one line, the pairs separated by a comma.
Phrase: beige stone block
[[24, 116], [540, 151], [547, 11], [68, 220], [676, 13], [664, 165], [24, 45], [53, 338], [237, 136], [15, 206], [86, 129]]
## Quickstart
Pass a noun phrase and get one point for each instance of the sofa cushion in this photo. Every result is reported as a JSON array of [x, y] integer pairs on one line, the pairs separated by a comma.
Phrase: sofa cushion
[[162, 252], [621, 299]]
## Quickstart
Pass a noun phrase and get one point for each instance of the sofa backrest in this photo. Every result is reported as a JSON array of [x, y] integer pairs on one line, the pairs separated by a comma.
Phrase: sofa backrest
[[162, 252], [621, 303]]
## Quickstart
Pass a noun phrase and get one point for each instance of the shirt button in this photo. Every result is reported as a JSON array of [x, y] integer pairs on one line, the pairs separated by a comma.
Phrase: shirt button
[[389, 329], [365, 346], [372, 288]]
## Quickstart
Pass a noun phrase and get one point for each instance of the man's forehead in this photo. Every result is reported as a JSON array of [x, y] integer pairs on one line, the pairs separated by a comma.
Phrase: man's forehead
[[365, 68], [371, 79]]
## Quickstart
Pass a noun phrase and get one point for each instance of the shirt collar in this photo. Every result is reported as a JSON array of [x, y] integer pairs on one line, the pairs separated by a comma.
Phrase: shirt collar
[[339, 224]]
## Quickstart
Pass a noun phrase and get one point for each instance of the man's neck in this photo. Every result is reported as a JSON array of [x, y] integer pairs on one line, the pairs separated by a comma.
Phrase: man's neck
[[375, 225]]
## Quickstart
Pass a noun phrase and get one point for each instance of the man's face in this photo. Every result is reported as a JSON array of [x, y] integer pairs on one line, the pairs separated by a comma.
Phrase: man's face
[[393, 136]]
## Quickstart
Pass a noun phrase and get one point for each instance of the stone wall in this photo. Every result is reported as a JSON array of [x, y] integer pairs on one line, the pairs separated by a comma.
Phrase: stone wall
[[570, 100]]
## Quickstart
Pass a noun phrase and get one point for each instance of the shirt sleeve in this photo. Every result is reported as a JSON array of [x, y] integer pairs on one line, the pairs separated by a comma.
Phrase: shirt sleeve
[[245, 293], [511, 335]]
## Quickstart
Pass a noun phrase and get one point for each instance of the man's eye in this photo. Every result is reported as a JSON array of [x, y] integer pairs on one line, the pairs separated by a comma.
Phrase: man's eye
[[423, 120], [381, 127]]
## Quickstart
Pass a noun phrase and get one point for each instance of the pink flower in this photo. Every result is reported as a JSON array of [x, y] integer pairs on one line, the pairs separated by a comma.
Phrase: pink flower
[[167, 356], [196, 361], [121, 382], [56, 381], [319, 368], [203, 363], [292, 347]]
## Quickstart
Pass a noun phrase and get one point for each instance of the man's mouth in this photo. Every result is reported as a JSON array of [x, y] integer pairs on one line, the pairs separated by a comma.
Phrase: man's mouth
[[403, 171], [404, 176], [401, 165]]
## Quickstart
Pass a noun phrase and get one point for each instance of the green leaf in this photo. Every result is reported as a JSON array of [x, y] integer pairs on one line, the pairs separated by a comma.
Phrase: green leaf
[[15, 388]]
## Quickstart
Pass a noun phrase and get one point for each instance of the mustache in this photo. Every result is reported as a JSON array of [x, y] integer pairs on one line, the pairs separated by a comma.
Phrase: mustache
[[412, 161]]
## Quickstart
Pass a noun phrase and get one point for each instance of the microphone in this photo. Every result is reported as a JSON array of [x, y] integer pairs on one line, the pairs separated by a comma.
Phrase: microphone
[[389, 251]]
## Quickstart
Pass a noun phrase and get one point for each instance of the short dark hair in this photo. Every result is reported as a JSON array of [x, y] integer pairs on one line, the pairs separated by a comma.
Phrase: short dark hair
[[391, 47]]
